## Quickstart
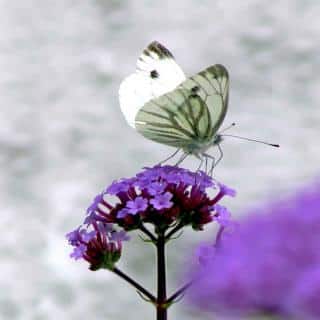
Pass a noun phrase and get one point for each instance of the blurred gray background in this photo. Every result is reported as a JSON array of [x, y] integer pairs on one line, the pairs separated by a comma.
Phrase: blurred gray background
[[63, 137]]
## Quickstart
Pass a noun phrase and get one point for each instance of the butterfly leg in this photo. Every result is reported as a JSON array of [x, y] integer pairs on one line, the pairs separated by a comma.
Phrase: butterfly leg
[[206, 164], [214, 162], [221, 154], [200, 157], [182, 158], [170, 157], [208, 156]]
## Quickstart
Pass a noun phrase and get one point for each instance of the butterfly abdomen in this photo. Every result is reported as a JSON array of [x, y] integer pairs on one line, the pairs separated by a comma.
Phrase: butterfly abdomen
[[198, 148]]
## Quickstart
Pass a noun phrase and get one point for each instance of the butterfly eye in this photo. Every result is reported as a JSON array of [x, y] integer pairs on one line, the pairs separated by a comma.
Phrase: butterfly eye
[[154, 74]]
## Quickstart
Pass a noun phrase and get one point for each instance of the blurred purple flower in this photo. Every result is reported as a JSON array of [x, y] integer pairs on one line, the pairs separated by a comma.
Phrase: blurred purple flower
[[205, 253], [303, 300], [222, 216], [269, 265]]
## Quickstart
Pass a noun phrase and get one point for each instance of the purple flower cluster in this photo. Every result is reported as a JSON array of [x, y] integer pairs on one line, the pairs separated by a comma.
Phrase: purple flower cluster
[[161, 195], [97, 243], [164, 196], [270, 265]]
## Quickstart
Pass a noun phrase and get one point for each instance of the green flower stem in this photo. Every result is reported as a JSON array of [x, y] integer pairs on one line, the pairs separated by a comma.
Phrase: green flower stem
[[147, 233], [178, 293], [135, 284], [173, 231], [162, 290]]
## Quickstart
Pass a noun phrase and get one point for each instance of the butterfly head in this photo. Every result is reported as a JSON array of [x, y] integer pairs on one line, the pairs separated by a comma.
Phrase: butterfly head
[[217, 139]]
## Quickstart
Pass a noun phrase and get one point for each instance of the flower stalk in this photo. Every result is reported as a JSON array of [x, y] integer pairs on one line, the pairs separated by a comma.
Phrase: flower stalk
[[135, 284], [162, 282], [179, 293]]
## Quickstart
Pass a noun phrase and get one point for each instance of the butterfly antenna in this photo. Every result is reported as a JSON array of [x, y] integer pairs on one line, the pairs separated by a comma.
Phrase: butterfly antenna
[[253, 140], [228, 127]]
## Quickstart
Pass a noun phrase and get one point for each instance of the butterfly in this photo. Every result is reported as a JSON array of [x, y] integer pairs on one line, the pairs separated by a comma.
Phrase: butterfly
[[165, 106]]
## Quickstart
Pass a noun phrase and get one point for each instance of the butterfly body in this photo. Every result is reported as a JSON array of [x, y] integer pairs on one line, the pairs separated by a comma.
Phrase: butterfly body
[[199, 148], [166, 107]]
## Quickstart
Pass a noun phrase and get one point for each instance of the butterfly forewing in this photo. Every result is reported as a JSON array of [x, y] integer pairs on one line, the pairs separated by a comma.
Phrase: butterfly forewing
[[191, 114], [157, 73]]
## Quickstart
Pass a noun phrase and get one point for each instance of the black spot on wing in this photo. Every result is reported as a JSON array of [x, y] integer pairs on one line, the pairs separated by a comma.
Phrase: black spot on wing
[[154, 74], [194, 91]]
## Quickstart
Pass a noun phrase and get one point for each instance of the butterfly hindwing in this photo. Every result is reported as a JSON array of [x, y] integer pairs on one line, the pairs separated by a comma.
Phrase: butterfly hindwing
[[191, 114]]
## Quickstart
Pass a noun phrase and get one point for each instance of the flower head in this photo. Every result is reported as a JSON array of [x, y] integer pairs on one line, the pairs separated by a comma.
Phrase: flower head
[[99, 244], [160, 195], [270, 264], [163, 196]]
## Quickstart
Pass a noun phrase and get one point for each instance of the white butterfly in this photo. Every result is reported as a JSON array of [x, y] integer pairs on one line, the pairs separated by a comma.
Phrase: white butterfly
[[166, 107]]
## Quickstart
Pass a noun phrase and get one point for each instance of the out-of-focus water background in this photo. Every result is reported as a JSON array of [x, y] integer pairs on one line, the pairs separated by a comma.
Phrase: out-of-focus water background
[[63, 138]]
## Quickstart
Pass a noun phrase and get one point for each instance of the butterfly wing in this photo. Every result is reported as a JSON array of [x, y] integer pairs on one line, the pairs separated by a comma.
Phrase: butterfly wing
[[190, 115], [157, 73], [212, 85], [178, 118]]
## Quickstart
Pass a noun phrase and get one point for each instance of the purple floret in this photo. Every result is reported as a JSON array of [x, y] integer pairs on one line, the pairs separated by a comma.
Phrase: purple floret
[[119, 236], [78, 252], [119, 186], [74, 236], [139, 204], [88, 235], [162, 201], [225, 190], [94, 206], [155, 188]]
